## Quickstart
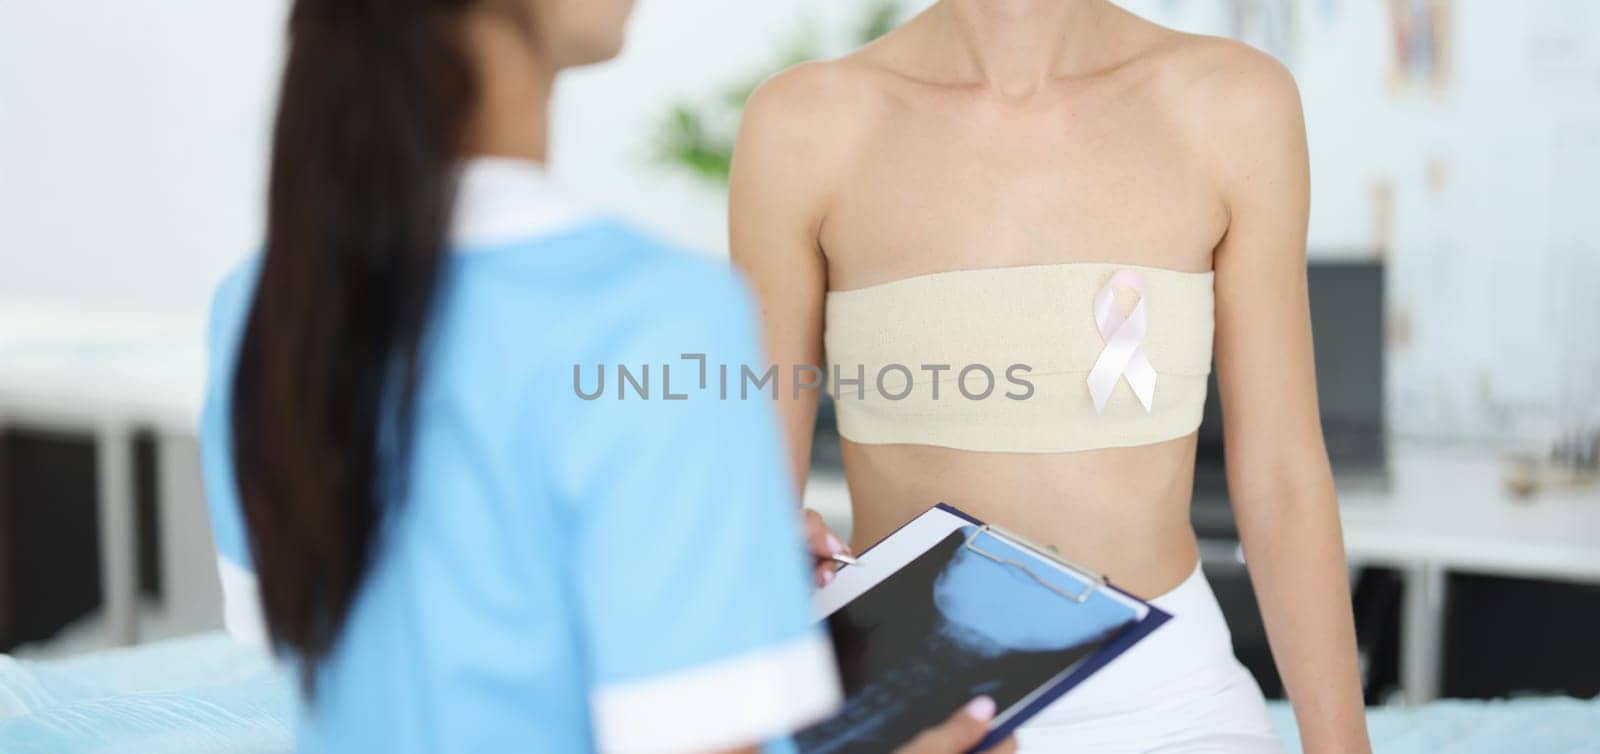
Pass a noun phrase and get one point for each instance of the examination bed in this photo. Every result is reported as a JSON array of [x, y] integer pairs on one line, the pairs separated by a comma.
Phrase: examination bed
[[208, 694]]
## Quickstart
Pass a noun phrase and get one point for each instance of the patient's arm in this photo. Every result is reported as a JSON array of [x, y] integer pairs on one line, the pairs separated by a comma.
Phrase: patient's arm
[[1278, 474], [777, 194]]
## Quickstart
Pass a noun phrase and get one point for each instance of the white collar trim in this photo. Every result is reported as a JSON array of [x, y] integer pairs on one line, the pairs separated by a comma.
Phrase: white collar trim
[[501, 200]]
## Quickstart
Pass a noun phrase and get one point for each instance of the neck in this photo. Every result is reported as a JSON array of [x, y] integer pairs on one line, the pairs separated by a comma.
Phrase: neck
[[1017, 46], [511, 117]]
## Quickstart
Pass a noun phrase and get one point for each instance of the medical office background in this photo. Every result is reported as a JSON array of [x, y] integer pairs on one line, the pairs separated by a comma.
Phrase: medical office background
[[1455, 247]]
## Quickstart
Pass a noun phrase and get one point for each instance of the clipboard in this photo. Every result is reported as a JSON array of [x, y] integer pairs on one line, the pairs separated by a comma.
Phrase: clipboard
[[948, 607]]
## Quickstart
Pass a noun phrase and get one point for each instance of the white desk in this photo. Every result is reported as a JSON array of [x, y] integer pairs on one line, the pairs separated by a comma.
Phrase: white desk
[[107, 374], [1448, 511], [1445, 510]]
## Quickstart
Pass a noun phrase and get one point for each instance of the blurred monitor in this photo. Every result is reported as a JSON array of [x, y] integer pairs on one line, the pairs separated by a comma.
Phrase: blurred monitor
[[1347, 322]]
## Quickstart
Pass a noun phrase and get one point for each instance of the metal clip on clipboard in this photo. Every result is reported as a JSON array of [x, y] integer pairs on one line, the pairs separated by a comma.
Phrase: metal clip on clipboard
[[1093, 579]]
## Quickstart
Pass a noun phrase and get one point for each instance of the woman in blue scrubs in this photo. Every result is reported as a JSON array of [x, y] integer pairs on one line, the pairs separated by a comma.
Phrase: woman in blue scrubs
[[417, 493]]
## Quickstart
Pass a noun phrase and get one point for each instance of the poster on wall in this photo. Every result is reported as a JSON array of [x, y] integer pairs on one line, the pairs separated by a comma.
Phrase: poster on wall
[[1420, 45]]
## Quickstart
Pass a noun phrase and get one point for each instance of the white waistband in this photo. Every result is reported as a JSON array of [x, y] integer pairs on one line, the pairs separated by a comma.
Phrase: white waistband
[[1181, 685], [1195, 641]]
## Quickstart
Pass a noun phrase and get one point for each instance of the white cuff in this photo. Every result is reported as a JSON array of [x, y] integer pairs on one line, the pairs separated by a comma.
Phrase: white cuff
[[742, 701], [241, 604]]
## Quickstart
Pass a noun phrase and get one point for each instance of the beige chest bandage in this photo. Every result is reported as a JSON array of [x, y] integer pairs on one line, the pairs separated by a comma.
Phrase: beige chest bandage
[[1034, 332]]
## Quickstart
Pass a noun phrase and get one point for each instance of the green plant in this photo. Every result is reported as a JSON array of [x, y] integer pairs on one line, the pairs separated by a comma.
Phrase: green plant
[[698, 137]]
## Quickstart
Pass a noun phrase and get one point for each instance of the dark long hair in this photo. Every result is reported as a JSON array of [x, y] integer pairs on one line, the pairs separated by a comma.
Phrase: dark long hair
[[370, 122]]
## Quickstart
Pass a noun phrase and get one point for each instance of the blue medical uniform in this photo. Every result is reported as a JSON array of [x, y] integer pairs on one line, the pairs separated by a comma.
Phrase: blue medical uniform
[[564, 574]]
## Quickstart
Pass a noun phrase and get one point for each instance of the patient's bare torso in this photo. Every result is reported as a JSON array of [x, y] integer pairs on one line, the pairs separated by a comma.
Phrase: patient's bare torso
[[1100, 168]]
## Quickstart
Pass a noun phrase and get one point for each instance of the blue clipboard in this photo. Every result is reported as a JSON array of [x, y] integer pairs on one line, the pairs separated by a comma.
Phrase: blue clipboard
[[913, 612]]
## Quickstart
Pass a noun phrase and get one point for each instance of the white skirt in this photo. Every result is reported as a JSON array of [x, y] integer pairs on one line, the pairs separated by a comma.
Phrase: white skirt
[[1180, 690]]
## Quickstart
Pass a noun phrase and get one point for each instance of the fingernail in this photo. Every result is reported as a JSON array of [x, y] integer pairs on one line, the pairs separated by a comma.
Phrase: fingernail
[[981, 709], [835, 546], [827, 577]]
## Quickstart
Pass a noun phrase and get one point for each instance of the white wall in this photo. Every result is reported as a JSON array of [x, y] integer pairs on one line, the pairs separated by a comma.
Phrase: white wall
[[133, 134]]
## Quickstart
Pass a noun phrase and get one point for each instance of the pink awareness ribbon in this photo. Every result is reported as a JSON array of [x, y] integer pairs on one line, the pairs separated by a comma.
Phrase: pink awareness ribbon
[[1122, 356]]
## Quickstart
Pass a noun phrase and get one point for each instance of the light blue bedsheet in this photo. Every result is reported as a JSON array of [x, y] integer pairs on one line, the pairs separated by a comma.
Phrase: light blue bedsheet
[[1519, 726], [208, 695], [204, 694]]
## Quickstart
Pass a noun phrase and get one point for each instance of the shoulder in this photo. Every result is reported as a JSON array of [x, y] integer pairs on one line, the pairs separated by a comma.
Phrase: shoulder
[[237, 286], [230, 307], [799, 134], [817, 94], [614, 258], [604, 284], [669, 284], [679, 302], [1210, 66], [238, 283], [806, 121], [1236, 108], [1228, 92]]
